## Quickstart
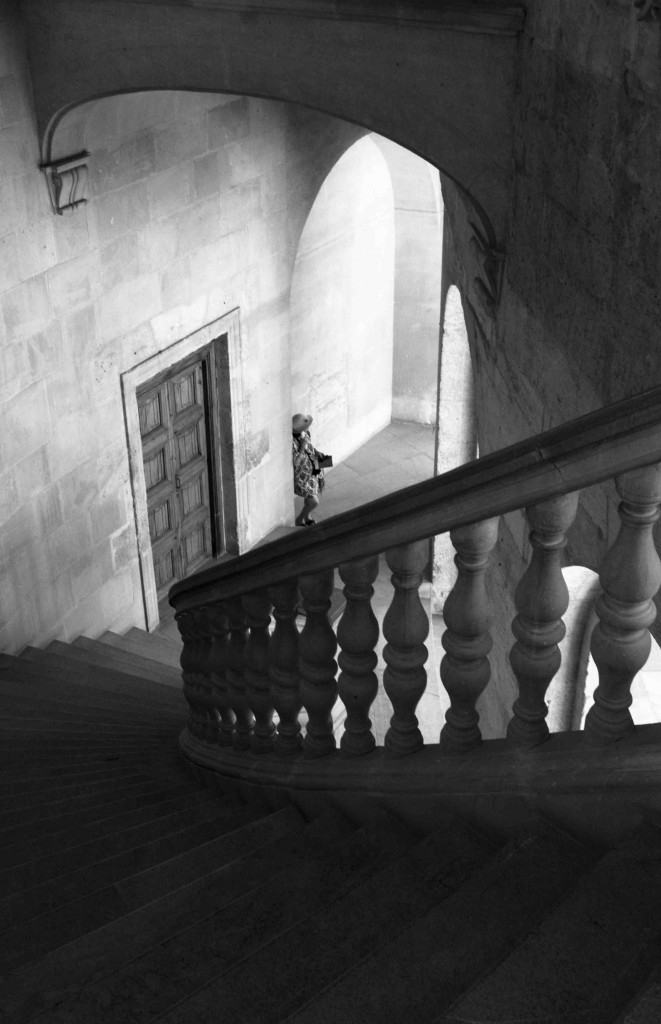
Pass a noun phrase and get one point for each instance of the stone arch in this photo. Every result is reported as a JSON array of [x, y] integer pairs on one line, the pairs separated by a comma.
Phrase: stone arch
[[439, 82]]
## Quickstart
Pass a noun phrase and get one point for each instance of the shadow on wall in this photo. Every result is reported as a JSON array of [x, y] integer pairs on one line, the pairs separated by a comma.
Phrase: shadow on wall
[[457, 437]]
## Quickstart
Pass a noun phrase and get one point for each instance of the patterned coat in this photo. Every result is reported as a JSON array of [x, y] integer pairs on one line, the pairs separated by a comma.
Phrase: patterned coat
[[306, 480]]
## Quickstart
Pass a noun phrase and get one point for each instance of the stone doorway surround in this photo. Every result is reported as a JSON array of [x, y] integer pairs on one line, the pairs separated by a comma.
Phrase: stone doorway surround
[[223, 336]]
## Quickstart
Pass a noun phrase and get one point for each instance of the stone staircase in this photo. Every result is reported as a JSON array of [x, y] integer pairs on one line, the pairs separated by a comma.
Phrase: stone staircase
[[131, 890]]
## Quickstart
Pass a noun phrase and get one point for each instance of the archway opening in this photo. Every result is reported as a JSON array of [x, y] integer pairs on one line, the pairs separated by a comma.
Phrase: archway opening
[[341, 306], [364, 315]]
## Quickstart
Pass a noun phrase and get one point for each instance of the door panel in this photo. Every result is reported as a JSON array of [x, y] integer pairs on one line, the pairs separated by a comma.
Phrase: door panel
[[173, 426]]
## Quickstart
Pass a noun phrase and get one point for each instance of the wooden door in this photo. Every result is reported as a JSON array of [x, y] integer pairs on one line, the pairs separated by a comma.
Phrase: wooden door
[[173, 414]]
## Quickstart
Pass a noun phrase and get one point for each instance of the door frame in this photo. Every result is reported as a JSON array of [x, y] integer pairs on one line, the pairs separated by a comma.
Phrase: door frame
[[220, 340]]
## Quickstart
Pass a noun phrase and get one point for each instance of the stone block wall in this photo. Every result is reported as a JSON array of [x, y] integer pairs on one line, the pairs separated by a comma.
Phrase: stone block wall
[[577, 322], [195, 205]]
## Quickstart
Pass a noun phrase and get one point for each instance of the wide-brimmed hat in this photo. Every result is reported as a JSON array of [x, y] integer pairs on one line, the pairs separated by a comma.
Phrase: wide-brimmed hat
[[300, 422]]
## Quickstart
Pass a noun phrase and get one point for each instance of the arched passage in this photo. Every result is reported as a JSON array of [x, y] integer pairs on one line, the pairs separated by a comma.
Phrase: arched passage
[[365, 296], [341, 306]]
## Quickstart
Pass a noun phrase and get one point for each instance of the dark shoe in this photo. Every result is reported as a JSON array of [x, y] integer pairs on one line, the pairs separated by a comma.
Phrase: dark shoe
[[310, 522]]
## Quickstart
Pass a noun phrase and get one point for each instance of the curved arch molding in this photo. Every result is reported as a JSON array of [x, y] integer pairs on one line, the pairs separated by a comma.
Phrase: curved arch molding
[[438, 80]]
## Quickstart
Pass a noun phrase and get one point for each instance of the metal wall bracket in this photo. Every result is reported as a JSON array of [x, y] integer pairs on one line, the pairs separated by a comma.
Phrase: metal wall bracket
[[490, 261], [67, 181]]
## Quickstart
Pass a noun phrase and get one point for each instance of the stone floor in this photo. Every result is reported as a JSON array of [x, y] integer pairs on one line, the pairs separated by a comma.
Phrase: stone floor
[[400, 455]]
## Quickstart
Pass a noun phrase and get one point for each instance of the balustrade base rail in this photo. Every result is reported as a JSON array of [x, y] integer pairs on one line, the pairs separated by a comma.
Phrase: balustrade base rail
[[599, 793]]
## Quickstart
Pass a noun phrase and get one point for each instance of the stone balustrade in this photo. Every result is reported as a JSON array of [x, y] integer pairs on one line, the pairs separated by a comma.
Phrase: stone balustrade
[[245, 664], [263, 689]]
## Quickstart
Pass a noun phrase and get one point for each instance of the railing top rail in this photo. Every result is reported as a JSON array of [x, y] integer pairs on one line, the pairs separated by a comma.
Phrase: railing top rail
[[582, 452]]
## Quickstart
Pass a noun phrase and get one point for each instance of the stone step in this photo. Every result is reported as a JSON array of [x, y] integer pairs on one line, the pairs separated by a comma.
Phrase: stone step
[[99, 653], [149, 755], [61, 685], [51, 798], [49, 727], [44, 782], [159, 636], [25, 707], [71, 764], [111, 833], [275, 887], [44, 870], [34, 938], [154, 794], [434, 960], [75, 671], [52, 731], [114, 675], [15, 745], [590, 955], [29, 686], [76, 885], [264, 961], [286, 841], [146, 645], [161, 639]]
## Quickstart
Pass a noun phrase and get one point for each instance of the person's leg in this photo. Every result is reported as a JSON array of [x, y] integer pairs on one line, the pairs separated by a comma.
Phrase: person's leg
[[309, 504]]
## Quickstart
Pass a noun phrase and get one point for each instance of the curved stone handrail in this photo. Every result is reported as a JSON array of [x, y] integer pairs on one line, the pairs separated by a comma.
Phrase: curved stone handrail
[[582, 452]]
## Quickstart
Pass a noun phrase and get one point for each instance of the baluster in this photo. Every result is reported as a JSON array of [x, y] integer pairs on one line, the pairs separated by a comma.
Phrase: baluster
[[357, 635], [541, 600], [185, 626], [203, 675], [285, 677], [234, 674], [194, 687], [208, 724], [468, 616], [630, 577], [405, 627], [256, 670], [217, 666], [317, 646]]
